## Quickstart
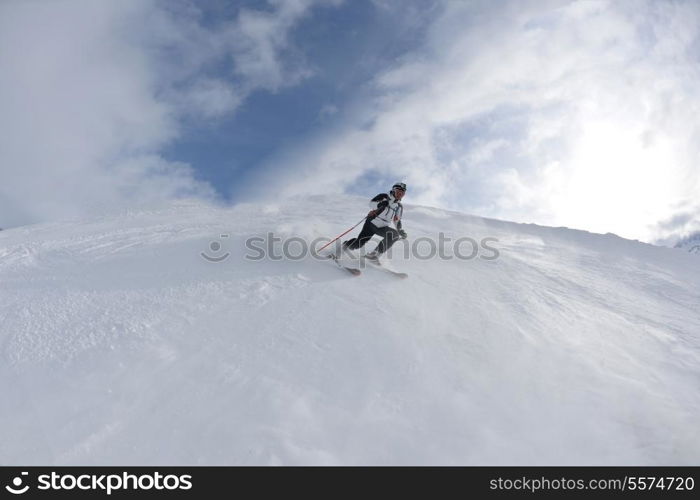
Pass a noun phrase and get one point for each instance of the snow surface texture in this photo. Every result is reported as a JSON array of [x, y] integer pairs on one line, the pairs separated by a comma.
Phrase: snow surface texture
[[121, 344]]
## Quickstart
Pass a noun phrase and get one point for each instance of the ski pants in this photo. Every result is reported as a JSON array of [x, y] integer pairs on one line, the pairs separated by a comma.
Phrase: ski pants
[[388, 234]]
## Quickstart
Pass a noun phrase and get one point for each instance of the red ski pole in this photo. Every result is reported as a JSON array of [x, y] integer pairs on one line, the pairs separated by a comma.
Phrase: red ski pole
[[341, 235]]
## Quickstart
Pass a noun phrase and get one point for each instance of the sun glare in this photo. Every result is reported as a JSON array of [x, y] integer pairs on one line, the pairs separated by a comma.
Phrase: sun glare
[[619, 181]]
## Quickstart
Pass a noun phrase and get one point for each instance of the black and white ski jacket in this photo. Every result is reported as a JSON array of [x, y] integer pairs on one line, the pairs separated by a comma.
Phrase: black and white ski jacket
[[389, 210]]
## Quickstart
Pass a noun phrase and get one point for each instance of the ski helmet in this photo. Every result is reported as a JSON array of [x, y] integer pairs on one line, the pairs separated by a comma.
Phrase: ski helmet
[[399, 185]]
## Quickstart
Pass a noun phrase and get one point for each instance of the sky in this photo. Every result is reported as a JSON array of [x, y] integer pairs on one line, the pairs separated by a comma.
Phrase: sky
[[563, 113]]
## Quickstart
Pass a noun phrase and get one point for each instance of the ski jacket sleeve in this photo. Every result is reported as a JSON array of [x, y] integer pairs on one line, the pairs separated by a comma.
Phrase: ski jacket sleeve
[[379, 202]]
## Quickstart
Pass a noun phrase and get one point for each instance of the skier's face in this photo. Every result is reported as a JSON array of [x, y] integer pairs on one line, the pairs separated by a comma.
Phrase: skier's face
[[398, 193]]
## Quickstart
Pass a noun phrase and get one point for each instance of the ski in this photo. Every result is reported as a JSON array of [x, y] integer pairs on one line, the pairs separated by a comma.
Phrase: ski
[[351, 270], [377, 265]]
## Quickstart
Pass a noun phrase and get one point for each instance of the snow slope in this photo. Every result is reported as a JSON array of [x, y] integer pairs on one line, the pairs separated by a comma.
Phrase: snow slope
[[121, 344]]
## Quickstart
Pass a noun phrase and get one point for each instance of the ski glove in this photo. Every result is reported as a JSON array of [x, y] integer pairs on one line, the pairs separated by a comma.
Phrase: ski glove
[[403, 234]]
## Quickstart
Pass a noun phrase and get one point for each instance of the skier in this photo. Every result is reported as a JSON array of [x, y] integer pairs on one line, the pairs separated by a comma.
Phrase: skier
[[386, 209]]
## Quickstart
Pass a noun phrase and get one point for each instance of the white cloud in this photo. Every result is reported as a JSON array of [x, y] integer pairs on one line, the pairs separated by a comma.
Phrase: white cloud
[[75, 100], [683, 224], [260, 47], [327, 111], [208, 98], [253, 47], [93, 90], [564, 113]]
